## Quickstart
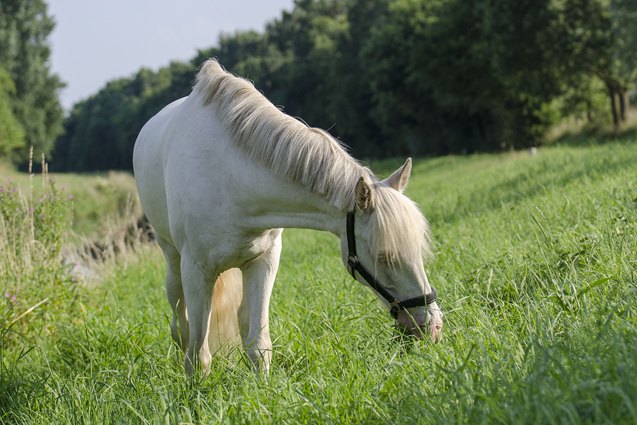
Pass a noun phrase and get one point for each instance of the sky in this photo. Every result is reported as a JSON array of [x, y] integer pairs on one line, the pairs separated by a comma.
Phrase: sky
[[97, 41]]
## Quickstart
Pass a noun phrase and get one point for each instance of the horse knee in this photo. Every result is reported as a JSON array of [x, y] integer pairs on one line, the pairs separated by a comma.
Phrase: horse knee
[[174, 292]]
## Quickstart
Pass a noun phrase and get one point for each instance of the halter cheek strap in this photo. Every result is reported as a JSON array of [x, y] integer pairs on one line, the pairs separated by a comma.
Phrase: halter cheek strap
[[354, 266]]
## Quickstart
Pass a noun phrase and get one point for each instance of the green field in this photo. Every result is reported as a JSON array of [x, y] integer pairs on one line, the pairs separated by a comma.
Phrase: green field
[[535, 268], [96, 198]]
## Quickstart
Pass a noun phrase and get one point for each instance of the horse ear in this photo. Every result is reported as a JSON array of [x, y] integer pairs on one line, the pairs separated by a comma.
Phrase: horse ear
[[363, 194], [400, 178]]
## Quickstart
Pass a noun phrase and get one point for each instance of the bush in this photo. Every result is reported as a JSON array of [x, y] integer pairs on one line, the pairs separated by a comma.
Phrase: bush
[[35, 285]]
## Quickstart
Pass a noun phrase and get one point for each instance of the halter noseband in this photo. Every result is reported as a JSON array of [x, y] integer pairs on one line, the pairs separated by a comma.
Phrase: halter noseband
[[354, 265]]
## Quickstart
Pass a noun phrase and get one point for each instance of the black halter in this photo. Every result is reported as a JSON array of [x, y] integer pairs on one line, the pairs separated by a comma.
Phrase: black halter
[[354, 265]]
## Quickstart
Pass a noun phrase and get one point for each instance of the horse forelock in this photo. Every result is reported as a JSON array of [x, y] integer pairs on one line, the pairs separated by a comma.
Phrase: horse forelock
[[289, 148], [399, 230]]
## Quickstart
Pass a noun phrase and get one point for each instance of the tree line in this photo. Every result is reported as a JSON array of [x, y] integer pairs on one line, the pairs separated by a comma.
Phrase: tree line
[[394, 77]]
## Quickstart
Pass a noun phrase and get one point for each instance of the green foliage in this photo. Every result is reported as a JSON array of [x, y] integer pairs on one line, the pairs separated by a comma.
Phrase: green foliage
[[399, 77], [11, 133], [598, 42], [24, 53], [535, 272]]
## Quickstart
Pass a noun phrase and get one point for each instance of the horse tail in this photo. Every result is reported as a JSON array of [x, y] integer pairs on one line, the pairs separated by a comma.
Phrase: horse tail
[[224, 334]]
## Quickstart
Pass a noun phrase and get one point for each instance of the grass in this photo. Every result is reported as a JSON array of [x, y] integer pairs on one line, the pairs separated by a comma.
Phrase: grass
[[536, 271]]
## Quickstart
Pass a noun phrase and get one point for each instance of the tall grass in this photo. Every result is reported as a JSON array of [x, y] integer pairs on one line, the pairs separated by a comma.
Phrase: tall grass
[[536, 271], [36, 290]]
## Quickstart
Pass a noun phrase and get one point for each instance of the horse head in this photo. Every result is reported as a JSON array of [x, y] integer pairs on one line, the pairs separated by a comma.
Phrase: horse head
[[383, 247]]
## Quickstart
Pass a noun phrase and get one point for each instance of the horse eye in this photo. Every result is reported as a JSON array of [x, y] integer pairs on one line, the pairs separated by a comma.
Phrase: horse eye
[[382, 258]]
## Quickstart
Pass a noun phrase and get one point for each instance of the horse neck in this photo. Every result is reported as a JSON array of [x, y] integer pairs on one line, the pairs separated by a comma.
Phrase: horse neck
[[269, 200], [292, 206]]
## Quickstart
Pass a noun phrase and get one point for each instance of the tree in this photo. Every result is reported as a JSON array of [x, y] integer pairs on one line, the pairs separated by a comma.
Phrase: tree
[[100, 131], [456, 75], [24, 53], [306, 39], [396, 77], [353, 92], [11, 133], [602, 40]]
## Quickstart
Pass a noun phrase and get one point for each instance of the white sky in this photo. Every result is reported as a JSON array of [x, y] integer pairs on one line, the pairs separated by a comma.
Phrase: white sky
[[96, 41]]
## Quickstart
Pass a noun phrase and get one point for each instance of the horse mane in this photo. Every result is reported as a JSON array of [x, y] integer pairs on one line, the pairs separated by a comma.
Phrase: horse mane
[[289, 148], [308, 156]]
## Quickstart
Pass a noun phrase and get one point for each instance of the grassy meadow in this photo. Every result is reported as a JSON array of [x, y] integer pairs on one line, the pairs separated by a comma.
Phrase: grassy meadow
[[536, 272], [97, 199]]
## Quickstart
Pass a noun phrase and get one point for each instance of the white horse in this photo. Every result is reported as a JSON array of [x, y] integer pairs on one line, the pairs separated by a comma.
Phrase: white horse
[[222, 171]]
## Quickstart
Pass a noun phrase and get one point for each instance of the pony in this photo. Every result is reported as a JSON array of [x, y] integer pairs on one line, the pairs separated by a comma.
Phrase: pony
[[222, 171]]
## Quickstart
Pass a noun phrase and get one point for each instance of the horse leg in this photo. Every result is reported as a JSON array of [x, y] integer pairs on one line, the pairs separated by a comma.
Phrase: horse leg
[[175, 294], [258, 280], [198, 294]]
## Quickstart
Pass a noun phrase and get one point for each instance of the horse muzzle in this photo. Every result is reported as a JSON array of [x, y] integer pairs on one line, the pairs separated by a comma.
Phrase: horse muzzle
[[419, 325]]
